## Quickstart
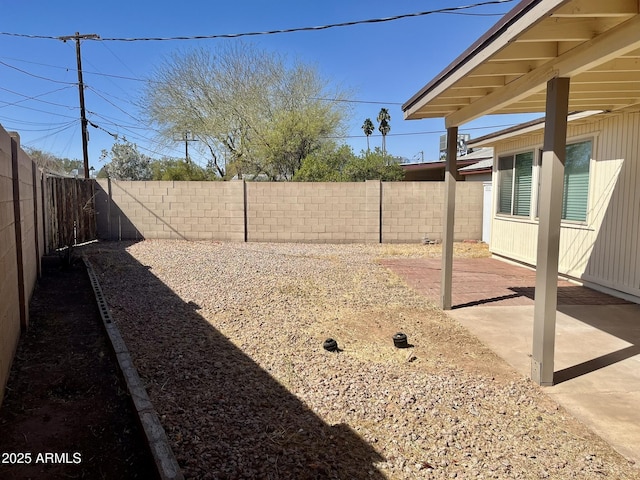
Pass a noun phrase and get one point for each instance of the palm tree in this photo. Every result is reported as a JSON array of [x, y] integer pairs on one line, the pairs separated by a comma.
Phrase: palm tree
[[368, 129], [383, 119]]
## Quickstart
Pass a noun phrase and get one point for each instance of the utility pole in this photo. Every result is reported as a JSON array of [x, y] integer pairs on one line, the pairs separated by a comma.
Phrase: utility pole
[[83, 116], [186, 144]]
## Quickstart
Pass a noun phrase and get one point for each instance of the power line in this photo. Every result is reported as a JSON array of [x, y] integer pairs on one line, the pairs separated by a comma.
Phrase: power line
[[86, 72], [123, 77], [34, 75], [38, 110], [113, 120], [447, 10], [433, 132], [344, 100], [24, 122], [50, 128], [314, 28], [113, 104], [131, 133], [141, 147], [57, 132], [34, 97]]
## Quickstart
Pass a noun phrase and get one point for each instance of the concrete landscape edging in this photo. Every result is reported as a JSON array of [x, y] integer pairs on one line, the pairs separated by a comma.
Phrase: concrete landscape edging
[[163, 456]]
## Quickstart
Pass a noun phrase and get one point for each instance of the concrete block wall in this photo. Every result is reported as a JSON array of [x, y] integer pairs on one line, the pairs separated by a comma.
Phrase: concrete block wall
[[27, 214], [367, 212], [171, 210], [19, 261], [413, 211], [10, 305], [313, 212], [468, 214]]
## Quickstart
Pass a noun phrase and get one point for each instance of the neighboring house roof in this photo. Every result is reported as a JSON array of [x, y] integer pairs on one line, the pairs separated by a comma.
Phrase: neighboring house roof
[[595, 43], [483, 166], [478, 154], [434, 171], [431, 171]]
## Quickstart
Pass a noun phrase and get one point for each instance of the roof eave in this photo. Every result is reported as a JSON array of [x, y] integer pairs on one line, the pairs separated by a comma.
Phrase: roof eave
[[504, 30]]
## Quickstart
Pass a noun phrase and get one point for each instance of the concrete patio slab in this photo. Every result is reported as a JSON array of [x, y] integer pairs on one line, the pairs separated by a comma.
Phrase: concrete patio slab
[[597, 351], [597, 372]]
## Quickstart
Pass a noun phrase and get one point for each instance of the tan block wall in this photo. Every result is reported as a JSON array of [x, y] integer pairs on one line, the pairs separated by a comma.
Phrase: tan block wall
[[10, 323], [286, 211], [9, 306], [172, 210], [313, 212], [468, 214], [413, 211], [27, 217]]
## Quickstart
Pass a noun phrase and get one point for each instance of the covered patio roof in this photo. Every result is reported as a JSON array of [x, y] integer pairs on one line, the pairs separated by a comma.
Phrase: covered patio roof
[[551, 56], [596, 43]]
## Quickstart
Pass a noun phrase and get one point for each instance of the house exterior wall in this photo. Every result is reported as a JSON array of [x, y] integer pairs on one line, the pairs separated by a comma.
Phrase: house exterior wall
[[604, 250], [285, 211]]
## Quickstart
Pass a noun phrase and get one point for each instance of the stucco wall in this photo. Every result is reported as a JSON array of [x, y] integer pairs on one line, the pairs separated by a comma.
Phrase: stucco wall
[[284, 212]]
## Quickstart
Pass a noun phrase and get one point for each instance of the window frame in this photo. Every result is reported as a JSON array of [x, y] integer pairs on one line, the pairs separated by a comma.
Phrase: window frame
[[572, 141], [513, 158]]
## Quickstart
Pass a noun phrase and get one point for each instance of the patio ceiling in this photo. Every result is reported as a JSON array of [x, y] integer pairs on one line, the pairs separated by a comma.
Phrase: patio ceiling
[[596, 43]]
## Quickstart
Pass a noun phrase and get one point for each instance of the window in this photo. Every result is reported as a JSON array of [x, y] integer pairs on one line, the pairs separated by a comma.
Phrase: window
[[576, 182], [575, 194], [515, 180]]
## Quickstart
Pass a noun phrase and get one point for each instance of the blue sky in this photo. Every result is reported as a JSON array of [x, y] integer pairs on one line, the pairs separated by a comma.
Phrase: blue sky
[[384, 63]]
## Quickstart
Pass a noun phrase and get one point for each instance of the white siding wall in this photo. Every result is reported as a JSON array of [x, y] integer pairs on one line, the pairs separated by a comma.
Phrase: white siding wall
[[606, 249]]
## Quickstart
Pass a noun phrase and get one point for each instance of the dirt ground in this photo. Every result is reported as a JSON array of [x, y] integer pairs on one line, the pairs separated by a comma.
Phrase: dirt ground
[[65, 395]]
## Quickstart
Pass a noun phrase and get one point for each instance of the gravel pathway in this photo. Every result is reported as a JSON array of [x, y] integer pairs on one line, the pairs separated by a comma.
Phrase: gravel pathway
[[228, 340]]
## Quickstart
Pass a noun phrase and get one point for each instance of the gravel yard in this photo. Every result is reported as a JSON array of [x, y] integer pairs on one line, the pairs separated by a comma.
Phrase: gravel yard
[[228, 340]]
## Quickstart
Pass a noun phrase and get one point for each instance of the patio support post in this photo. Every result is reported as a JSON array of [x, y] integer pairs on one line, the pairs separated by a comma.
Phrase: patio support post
[[552, 181], [450, 176]]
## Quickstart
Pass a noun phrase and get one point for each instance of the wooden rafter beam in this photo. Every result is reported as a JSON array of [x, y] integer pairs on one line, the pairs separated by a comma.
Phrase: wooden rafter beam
[[607, 77], [606, 87], [604, 48], [468, 92], [497, 68], [598, 8], [527, 52], [619, 65], [594, 96], [568, 29], [480, 82]]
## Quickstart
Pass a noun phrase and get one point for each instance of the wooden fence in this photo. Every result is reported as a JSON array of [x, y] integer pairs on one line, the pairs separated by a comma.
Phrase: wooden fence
[[70, 211]]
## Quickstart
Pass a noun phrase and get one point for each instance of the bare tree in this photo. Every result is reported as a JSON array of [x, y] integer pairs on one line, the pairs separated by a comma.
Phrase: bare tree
[[250, 110]]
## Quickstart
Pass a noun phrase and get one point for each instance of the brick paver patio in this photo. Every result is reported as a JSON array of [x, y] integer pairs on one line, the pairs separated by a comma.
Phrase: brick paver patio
[[487, 281]]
